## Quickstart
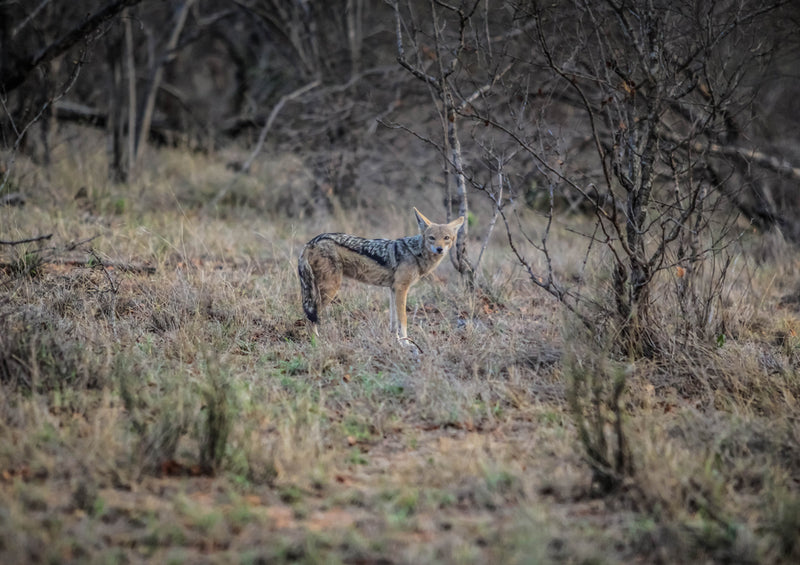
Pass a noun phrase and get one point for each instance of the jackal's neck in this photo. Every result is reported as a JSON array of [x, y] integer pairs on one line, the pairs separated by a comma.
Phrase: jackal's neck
[[414, 243]]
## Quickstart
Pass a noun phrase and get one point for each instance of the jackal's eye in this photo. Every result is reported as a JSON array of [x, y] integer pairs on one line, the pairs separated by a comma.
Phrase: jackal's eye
[[431, 237], [447, 238]]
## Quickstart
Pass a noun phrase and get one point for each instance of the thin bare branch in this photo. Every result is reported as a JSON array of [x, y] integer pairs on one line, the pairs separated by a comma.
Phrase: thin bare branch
[[28, 240], [17, 75]]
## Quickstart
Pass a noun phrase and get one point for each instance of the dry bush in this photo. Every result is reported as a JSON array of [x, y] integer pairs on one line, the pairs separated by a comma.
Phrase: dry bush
[[699, 439]]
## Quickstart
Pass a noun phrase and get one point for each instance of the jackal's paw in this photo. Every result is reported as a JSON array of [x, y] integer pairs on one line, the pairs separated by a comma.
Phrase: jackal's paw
[[408, 342]]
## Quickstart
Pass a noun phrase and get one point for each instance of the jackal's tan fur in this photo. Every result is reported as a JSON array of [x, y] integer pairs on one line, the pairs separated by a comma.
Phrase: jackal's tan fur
[[393, 263]]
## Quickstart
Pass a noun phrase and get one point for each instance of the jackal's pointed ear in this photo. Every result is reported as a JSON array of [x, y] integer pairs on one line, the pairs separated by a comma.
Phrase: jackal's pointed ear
[[422, 221], [457, 222]]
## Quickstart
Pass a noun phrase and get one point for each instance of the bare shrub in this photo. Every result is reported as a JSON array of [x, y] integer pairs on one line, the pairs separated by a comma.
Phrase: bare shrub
[[218, 419], [594, 394], [624, 119]]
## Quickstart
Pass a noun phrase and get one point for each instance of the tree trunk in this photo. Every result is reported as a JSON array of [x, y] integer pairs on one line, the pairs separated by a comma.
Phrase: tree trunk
[[117, 171], [637, 180], [146, 115], [130, 70], [462, 261]]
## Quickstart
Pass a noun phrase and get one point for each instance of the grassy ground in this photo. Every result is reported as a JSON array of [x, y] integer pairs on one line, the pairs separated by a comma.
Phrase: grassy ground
[[162, 400]]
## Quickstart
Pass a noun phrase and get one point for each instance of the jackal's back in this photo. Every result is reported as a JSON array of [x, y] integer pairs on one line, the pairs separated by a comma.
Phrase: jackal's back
[[386, 253]]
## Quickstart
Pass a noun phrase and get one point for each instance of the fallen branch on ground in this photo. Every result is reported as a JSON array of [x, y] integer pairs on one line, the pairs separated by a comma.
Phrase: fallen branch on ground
[[29, 240]]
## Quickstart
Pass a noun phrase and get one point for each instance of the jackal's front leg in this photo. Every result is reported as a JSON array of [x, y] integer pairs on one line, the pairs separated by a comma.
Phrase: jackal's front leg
[[400, 294], [392, 313]]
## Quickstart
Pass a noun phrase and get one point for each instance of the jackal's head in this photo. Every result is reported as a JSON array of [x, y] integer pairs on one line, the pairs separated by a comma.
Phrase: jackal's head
[[438, 238]]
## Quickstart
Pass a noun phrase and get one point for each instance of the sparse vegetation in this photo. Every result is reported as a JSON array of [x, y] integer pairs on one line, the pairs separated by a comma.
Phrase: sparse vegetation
[[184, 414]]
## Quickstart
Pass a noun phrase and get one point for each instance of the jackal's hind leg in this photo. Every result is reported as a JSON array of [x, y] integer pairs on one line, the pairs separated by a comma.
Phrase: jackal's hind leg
[[329, 287], [327, 274]]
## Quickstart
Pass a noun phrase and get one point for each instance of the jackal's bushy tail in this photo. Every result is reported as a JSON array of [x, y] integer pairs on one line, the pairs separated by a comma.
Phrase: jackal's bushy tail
[[308, 287]]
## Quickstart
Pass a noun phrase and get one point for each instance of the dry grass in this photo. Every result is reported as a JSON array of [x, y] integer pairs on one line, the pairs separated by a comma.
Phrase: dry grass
[[186, 415]]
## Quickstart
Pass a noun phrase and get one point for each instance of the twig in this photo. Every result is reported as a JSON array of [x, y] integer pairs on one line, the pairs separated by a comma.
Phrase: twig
[[401, 53], [774, 163], [425, 139], [123, 267], [29, 240], [497, 198], [114, 291], [263, 135], [75, 244], [272, 115], [28, 19], [102, 265], [67, 86]]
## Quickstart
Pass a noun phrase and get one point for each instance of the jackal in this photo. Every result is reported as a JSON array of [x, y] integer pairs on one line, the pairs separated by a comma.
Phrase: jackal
[[394, 263]]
